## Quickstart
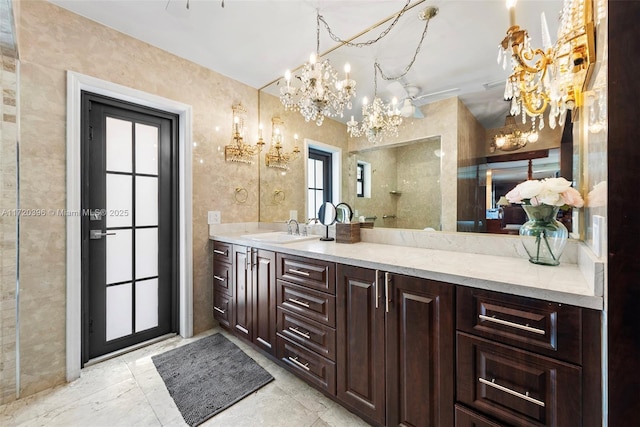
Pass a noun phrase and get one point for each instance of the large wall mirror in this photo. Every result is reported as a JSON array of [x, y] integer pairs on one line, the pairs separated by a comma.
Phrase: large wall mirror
[[434, 175]]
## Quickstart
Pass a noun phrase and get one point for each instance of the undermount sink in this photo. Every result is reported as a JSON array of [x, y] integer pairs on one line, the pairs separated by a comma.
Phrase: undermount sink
[[278, 237]]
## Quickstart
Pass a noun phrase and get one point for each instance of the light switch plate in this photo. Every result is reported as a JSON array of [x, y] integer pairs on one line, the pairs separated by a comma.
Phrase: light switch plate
[[213, 217]]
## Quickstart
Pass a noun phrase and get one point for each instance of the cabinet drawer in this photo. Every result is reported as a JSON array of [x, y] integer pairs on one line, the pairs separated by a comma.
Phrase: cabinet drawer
[[307, 302], [222, 252], [468, 418], [516, 386], [222, 278], [316, 369], [540, 326], [315, 274], [308, 333], [222, 307]]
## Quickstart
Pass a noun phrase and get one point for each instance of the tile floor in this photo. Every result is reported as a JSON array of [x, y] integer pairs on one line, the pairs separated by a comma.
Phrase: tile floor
[[127, 391]]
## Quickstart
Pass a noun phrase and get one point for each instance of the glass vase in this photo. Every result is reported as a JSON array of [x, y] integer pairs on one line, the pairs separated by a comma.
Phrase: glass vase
[[543, 237]]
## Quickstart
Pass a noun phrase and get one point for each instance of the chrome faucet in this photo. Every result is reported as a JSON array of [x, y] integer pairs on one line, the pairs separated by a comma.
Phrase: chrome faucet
[[289, 230]]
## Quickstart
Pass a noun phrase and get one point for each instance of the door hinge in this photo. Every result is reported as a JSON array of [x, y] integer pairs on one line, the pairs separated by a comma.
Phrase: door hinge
[[90, 326], [90, 133]]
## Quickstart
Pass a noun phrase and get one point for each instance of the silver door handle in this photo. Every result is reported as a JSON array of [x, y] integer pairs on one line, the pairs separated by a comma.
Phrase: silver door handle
[[302, 303], [302, 273], [216, 251], [99, 234], [294, 360], [219, 310], [511, 324], [218, 278], [299, 332], [507, 390]]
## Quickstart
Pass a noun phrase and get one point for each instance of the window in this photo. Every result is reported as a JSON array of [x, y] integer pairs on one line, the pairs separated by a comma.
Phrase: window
[[319, 180], [360, 180]]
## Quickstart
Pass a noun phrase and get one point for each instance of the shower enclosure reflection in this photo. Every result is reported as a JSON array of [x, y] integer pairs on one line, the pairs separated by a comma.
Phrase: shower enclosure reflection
[[397, 186]]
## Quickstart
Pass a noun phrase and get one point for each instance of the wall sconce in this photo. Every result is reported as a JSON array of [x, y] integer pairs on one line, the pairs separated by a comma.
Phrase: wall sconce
[[238, 151], [276, 157], [555, 75]]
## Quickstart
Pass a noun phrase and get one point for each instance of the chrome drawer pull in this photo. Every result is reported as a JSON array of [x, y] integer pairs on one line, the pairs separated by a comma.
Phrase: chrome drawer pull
[[294, 360], [302, 273], [302, 303], [526, 397], [512, 324], [216, 251], [299, 332], [221, 279], [219, 310]]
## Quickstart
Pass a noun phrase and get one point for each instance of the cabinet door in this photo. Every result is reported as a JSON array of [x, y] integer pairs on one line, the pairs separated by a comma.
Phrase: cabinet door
[[242, 292], [264, 299], [420, 352], [360, 350]]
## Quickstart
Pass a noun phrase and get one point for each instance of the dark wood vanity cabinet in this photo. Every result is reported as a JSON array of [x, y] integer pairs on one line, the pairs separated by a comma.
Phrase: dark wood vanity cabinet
[[400, 350], [395, 347], [526, 362], [222, 283], [306, 311], [247, 304]]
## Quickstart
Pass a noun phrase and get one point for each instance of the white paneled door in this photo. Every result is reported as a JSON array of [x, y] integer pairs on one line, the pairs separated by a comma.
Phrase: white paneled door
[[129, 225]]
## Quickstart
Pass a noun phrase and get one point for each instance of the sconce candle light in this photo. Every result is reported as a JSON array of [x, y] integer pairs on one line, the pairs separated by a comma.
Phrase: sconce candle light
[[556, 78], [238, 151], [276, 157]]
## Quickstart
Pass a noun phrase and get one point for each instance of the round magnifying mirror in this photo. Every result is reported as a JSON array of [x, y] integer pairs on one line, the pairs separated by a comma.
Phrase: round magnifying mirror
[[344, 214], [327, 216]]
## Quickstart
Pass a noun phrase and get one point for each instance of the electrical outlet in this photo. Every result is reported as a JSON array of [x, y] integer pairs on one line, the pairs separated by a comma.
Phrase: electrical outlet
[[293, 214], [213, 217]]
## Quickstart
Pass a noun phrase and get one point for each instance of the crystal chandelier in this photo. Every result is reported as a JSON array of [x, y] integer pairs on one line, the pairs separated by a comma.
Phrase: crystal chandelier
[[511, 138], [238, 151], [556, 78], [276, 157], [378, 118], [321, 93]]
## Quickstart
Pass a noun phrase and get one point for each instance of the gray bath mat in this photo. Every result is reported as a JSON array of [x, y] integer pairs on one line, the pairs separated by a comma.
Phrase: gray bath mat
[[207, 376]]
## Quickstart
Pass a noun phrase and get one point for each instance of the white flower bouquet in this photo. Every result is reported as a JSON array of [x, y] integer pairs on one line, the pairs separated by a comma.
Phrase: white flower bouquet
[[549, 191]]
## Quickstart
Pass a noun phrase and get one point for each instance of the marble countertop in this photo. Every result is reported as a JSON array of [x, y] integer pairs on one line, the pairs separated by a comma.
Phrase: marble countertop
[[565, 283]]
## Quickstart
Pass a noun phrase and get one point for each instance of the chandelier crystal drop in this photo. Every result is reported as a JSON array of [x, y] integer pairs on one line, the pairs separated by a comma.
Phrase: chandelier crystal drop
[[321, 92]]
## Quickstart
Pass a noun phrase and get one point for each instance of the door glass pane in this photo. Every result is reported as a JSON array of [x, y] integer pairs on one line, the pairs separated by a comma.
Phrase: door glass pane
[[146, 252], [119, 303], [319, 199], [118, 200], [312, 212], [146, 149], [146, 304], [146, 201], [119, 256], [319, 174], [311, 172], [118, 135]]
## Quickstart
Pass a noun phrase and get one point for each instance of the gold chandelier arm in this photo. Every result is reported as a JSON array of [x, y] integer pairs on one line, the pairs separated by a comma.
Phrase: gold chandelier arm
[[530, 108]]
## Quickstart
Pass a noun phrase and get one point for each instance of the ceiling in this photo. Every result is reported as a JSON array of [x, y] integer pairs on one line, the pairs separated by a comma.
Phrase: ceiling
[[254, 42]]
